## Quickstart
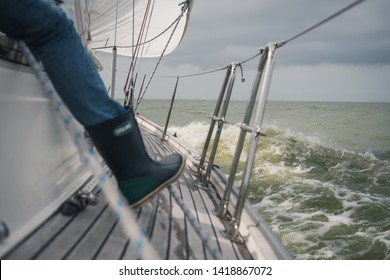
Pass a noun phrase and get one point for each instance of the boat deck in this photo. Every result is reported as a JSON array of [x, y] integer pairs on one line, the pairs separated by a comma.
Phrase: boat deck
[[95, 233]]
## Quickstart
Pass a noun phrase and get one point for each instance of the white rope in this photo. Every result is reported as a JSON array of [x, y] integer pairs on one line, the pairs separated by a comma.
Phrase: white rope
[[214, 251], [116, 201], [195, 224]]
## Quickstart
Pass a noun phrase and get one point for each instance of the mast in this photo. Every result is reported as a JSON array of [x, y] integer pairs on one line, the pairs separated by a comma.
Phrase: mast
[[114, 55], [113, 71]]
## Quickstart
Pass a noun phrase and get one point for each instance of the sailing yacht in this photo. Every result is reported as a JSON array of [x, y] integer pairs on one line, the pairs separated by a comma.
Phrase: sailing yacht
[[53, 206]]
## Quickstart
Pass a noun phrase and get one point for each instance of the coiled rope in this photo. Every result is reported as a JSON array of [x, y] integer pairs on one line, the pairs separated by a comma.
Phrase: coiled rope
[[116, 201]]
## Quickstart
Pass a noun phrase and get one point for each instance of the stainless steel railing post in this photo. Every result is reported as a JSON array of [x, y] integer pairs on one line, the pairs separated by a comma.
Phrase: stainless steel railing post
[[201, 165], [265, 68], [220, 119], [222, 210], [170, 110]]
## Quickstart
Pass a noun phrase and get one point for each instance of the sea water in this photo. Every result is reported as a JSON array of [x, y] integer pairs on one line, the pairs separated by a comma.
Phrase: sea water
[[321, 177]]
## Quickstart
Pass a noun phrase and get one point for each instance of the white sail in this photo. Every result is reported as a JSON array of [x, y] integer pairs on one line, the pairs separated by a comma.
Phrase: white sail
[[117, 23]]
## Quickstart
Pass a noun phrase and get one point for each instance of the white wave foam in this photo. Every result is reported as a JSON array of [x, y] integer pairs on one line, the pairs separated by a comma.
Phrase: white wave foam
[[291, 169], [193, 134]]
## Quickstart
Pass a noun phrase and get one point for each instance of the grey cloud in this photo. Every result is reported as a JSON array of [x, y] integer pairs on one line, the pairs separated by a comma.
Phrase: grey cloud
[[360, 36], [348, 58]]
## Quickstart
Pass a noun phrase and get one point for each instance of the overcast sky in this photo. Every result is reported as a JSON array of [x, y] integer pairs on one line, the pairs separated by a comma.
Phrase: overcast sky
[[346, 59]]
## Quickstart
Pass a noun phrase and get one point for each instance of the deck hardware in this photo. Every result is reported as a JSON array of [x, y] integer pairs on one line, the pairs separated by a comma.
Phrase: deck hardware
[[217, 118], [89, 197], [81, 199], [170, 110], [78, 202], [231, 232], [222, 210], [4, 230], [261, 88], [259, 94]]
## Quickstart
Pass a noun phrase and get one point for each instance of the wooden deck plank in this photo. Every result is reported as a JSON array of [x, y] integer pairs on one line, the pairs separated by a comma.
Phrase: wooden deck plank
[[179, 237], [161, 232], [211, 202], [227, 250], [145, 217], [93, 240], [178, 240], [114, 246], [33, 244], [203, 219], [95, 233], [194, 242], [197, 251], [69, 237], [216, 225]]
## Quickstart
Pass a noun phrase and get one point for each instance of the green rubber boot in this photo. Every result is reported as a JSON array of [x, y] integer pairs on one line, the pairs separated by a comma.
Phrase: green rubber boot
[[139, 177]]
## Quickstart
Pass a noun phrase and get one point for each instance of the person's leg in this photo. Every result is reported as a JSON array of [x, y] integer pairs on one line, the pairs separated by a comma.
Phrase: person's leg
[[114, 131], [139, 177], [52, 37]]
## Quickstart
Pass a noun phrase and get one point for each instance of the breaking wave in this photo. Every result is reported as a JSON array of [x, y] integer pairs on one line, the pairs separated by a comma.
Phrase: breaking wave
[[322, 202]]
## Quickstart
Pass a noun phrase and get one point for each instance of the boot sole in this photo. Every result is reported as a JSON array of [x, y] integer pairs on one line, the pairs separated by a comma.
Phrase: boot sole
[[149, 197]]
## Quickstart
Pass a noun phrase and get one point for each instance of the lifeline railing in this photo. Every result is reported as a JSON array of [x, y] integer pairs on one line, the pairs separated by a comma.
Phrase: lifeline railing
[[260, 89], [224, 96], [261, 85]]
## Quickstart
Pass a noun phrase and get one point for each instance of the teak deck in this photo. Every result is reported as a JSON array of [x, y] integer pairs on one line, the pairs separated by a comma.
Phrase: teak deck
[[94, 233]]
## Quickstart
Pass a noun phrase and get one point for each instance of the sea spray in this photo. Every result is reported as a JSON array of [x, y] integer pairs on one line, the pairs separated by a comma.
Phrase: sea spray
[[323, 202]]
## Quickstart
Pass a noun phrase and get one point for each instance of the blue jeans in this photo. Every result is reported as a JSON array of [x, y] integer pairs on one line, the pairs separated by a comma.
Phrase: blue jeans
[[52, 37]]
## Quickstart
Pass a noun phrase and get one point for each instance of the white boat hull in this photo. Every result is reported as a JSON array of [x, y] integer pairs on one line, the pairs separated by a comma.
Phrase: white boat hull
[[38, 160]]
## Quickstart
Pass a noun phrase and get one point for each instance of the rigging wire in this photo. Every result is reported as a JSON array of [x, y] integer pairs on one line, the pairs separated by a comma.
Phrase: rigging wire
[[185, 6], [345, 9], [142, 43], [214, 70], [146, 34], [129, 87], [279, 44], [136, 49], [194, 74], [133, 28]]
